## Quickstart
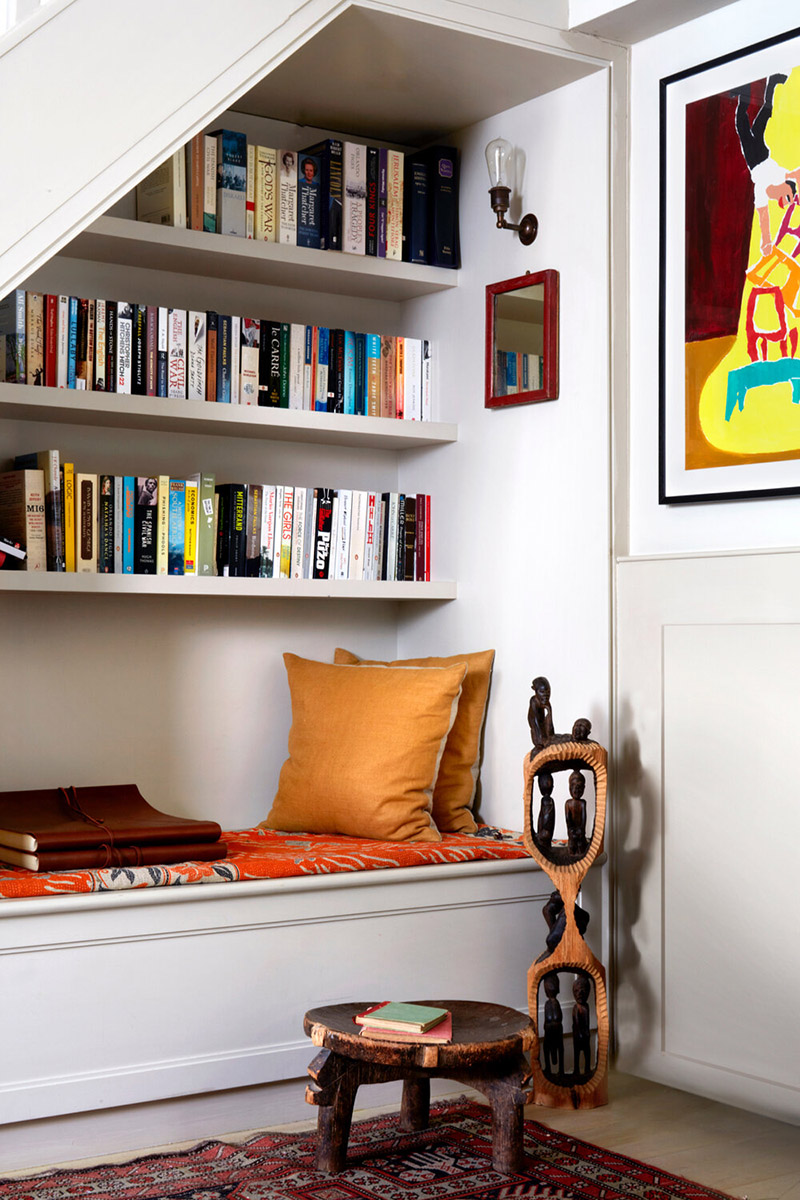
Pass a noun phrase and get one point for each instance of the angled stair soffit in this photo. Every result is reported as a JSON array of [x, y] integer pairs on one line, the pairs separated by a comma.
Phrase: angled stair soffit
[[443, 68]]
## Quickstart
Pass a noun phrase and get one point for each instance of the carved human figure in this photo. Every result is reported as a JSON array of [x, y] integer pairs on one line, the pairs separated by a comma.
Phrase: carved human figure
[[576, 814], [556, 918], [547, 810], [581, 1041], [582, 729], [540, 714], [553, 1026]]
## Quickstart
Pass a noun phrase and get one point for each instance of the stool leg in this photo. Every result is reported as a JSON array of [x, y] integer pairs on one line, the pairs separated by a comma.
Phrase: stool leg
[[416, 1104], [507, 1134], [333, 1125]]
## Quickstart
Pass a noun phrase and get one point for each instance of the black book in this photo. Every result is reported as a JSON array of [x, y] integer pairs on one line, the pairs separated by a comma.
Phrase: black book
[[330, 154], [336, 371], [223, 494], [443, 236], [82, 342], [139, 351], [283, 378], [237, 530], [255, 493], [384, 546], [360, 402], [373, 156], [105, 523], [212, 322], [415, 209], [323, 533], [409, 541], [111, 345], [400, 555], [145, 525]]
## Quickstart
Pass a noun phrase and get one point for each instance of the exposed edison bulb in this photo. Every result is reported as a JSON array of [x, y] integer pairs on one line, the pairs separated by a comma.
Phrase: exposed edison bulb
[[499, 160]]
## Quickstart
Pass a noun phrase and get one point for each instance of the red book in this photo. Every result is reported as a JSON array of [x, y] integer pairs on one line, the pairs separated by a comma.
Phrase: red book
[[50, 340], [422, 533]]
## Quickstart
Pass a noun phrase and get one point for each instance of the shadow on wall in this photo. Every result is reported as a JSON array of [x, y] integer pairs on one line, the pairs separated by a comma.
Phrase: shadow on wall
[[636, 822]]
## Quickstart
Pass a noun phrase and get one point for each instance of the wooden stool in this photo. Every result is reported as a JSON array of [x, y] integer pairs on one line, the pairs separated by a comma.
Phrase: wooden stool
[[487, 1052]]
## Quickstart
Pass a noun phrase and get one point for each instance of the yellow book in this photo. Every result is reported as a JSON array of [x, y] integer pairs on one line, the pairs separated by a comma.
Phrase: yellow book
[[162, 528], [69, 516], [190, 527], [266, 190]]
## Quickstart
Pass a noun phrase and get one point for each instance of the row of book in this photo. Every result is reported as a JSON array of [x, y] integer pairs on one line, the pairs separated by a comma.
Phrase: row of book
[[147, 350], [517, 372], [333, 195], [74, 521]]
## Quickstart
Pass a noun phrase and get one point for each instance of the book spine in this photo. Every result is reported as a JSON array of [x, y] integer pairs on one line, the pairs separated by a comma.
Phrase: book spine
[[231, 182], [373, 375], [285, 364], [128, 513], [205, 526], [322, 537], [266, 191], [349, 396], [358, 533], [268, 525], [297, 348], [124, 347], [105, 523], [394, 205], [255, 500], [162, 526], [100, 345], [361, 375], [341, 548], [388, 373], [287, 522], [145, 525], [400, 554], [209, 184], [390, 570], [272, 367], [195, 172], [72, 342], [415, 210], [336, 371], [81, 332], [111, 345], [62, 352], [312, 502], [34, 338], [413, 379], [176, 349], [308, 357], [177, 526], [371, 234], [321, 382], [410, 538], [12, 327], [236, 359], [212, 321], [249, 363], [151, 356], [287, 197], [86, 523], [250, 193], [427, 379], [400, 376], [443, 233], [223, 359], [196, 356], [308, 201], [382, 200], [370, 537], [382, 543], [421, 537], [139, 352], [238, 530], [298, 533], [69, 516], [119, 501], [23, 514], [354, 216]]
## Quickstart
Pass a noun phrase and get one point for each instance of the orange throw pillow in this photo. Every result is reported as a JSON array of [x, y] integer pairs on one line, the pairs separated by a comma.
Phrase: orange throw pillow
[[364, 749], [457, 781]]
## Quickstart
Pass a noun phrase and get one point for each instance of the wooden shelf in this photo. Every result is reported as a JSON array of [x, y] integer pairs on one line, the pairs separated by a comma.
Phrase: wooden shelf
[[265, 589], [112, 411], [191, 252]]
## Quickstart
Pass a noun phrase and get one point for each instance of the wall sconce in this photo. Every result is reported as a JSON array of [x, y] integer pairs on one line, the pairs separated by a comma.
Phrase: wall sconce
[[500, 161]]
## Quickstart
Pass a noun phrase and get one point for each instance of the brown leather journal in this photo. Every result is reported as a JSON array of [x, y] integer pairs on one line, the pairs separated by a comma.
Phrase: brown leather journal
[[116, 856], [68, 818]]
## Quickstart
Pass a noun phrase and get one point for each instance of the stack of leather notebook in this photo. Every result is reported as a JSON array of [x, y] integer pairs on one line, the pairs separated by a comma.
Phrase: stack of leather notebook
[[62, 829]]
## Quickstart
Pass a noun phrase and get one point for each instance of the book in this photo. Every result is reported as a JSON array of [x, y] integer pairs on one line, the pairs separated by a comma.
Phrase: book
[[388, 376], [336, 371], [223, 359], [236, 359], [11, 551], [162, 526], [349, 376], [100, 346], [412, 379], [266, 194], [400, 376], [394, 204], [308, 201], [371, 537], [286, 524], [382, 172], [329, 153], [124, 347], [409, 553], [322, 535], [177, 526], [438, 1035], [12, 333], [114, 856], [86, 523], [287, 197], [237, 530], [161, 195], [420, 542], [402, 1017], [231, 182], [139, 351], [196, 356], [205, 526], [321, 373], [297, 350], [212, 321], [62, 350], [354, 215], [22, 515], [145, 525], [340, 548], [111, 345], [415, 209], [250, 194], [373, 375], [426, 379], [210, 184], [49, 462], [128, 528], [34, 339], [195, 181], [105, 525], [371, 226], [443, 223], [308, 366], [119, 502], [68, 493], [255, 498], [249, 362], [309, 533], [283, 383], [358, 534], [269, 502], [360, 399], [50, 340], [81, 342], [176, 354], [72, 341], [298, 533], [47, 819]]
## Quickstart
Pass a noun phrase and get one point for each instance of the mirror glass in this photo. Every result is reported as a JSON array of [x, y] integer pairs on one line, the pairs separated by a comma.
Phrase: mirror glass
[[522, 340]]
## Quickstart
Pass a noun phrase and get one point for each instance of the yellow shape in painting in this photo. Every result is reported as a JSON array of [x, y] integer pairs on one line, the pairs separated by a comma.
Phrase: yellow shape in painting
[[769, 422]]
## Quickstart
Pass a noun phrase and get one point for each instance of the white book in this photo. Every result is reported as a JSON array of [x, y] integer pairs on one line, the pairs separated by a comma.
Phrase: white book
[[358, 534], [276, 532], [119, 502], [196, 378], [100, 347], [382, 511], [248, 367], [297, 358], [250, 195], [236, 359], [124, 347], [298, 532], [161, 196], [287, 522], [427, 379], [267, 530], [341, 548], [371, 536], [334, 538], [311, 530], [62, 359], [354, 211], [210, 185], [287, 197], [266, 192], [176, 354], [391, 537], [412, 407]]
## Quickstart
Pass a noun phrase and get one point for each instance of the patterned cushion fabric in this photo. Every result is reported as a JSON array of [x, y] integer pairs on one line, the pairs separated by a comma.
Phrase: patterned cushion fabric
[[457, 781], [364, 749]]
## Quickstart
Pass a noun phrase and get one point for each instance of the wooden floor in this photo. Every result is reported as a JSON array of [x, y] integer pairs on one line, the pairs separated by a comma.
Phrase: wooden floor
[[721, 1147], [724, 1148]]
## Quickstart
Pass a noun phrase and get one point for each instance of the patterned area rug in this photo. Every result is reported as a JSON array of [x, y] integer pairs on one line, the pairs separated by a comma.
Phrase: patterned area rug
[[450, 1160]]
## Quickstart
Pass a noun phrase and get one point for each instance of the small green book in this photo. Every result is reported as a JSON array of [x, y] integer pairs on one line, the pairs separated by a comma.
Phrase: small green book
[[413, 1018]]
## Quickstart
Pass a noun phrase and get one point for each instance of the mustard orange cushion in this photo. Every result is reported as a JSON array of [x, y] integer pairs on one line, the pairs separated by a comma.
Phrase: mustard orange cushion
[[364, 749], [457, 781]]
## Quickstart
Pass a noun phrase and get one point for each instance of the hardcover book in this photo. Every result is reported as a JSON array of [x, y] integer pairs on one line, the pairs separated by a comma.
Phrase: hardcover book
[[100, 346], [266, 194], [443, 232], [437, 1035], [415, 209], [177, 526], [373, 170], [139, 351], [195, 181], [308, 201], [22, 515], [322, 539], [196, 347], [176, 349], [51, 341], [249, 361], [408, 1018], [329, 153], [105, 525], [124, 347], [231, 182], [394, 205], [287, 197], [162, 526], [250, 194], [212, 323], [111, 345], [114, 856], [86, 523], [354, 217], [210, 184], [12, 329]]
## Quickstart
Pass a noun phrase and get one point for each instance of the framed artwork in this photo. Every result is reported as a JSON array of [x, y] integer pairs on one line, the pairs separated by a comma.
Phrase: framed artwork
[[729, 378]]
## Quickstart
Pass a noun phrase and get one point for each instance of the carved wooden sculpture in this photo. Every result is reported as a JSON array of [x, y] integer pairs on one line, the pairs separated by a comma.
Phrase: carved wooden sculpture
[[567, 865]]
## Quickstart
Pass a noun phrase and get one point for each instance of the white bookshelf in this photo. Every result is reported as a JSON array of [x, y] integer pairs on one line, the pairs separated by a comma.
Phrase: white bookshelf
[[177, 585]]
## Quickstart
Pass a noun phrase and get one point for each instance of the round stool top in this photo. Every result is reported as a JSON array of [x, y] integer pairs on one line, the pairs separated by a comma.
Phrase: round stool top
[[482, 1033]]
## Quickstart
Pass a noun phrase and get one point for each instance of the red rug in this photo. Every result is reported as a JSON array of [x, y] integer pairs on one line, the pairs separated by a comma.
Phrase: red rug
[[449, 1161]]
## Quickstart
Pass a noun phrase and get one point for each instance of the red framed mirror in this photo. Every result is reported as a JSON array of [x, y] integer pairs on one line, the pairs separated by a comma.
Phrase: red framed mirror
[[522, 340]]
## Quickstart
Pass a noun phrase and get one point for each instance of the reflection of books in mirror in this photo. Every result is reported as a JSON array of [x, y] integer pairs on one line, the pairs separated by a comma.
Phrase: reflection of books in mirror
[[406, 1017], [439, 1034]]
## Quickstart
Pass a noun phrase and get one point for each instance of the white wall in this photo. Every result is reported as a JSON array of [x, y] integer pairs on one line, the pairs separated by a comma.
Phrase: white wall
[[521, 506]]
